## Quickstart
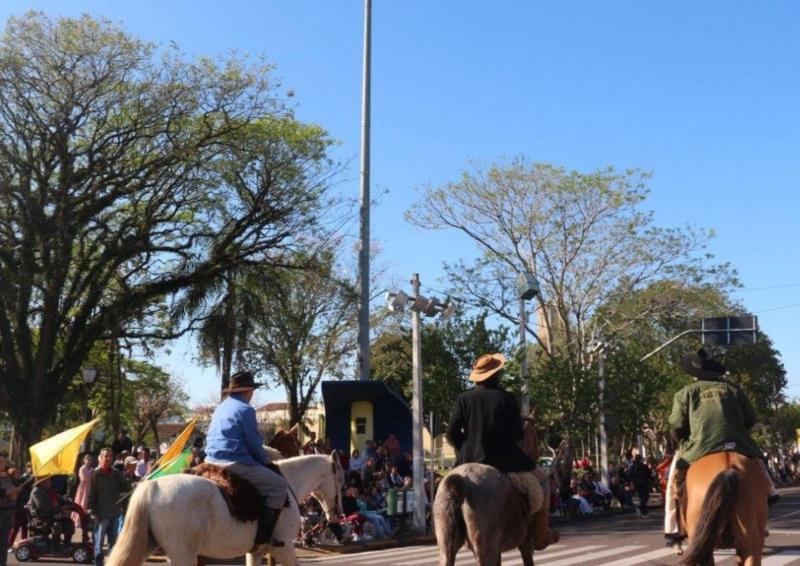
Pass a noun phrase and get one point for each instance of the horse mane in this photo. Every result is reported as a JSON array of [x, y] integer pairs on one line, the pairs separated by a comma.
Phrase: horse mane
[[242, 498]]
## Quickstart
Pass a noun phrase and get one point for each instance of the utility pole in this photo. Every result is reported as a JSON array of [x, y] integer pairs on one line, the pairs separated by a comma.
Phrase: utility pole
[[523, 358], [416, 422], [363, 253], [601, 362]]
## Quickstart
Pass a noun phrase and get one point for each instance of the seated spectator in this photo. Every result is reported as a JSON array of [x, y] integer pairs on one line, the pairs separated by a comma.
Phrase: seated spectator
[[584, 507], [46, 504], [394, 479], [356, 461], [369, 472]]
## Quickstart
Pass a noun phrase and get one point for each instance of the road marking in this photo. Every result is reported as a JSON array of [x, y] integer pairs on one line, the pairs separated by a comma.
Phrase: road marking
[[785, 531], [465, 556], [359, 557], [595, 555], [639, 558], [779, 517], [781, 558]]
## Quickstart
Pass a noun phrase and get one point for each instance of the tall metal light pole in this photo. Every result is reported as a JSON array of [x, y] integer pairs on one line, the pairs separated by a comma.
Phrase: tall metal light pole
[[416, 419], [363, 253]]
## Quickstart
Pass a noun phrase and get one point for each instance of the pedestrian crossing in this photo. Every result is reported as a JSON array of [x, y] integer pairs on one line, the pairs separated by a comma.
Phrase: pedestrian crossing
[[562, 554]]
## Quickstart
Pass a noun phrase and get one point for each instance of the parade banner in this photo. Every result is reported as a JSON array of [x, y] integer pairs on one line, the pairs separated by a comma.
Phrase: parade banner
[[59, 454], [178, 445], [174, 466]]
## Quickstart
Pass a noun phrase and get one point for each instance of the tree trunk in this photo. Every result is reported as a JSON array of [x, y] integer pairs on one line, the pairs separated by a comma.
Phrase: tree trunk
[[25, 437]]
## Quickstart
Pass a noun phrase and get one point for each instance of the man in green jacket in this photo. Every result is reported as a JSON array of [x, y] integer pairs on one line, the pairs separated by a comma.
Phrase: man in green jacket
[[708, 416]]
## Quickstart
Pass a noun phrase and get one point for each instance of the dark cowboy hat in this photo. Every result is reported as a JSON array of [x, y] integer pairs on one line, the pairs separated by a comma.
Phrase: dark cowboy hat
[[242, 381], [701, 366], [486, 366]]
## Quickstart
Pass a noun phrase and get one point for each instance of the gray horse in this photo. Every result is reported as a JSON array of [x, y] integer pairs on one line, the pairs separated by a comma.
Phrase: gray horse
[[477, 504]]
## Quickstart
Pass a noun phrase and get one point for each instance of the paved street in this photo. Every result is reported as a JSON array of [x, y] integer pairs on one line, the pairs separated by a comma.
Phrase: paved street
[[623, 540]]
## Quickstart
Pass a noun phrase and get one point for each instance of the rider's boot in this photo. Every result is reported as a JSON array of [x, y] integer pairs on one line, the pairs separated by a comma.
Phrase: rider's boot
[[266, 524]]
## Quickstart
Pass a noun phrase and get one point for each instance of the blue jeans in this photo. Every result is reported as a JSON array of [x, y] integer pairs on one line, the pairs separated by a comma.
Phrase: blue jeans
[[104, 528], [378, 521]]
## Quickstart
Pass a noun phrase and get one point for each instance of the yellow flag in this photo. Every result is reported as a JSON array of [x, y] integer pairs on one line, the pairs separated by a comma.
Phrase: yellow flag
[[58, 454], [177, 447]]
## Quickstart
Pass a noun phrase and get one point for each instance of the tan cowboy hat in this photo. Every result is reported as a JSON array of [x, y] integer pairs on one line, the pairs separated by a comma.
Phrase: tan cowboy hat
[[242, 381], [486, 366]]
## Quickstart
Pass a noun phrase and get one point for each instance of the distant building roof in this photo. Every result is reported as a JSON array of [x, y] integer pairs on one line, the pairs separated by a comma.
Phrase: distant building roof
[[273, 407]]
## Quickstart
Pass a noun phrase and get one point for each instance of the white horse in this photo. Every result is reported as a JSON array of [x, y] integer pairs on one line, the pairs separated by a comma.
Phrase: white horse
[[186, 516]]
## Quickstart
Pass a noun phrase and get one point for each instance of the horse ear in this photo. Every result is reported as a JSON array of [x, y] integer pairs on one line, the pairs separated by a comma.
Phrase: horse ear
[[294, 429]]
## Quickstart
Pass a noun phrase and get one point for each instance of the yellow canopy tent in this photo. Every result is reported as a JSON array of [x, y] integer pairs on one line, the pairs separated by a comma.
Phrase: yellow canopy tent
[[58, 454]]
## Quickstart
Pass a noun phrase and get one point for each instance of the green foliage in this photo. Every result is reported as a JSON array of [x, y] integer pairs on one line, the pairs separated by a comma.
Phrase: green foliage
[[127, 176], [449, 349]]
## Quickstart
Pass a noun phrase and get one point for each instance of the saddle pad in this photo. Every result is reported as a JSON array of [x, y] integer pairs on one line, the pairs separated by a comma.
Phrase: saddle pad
[[243, 499]]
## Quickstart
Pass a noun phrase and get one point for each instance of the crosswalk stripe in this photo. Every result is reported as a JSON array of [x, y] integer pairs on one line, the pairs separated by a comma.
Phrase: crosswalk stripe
[[639, 558], [358, 557], [595, 555], [465, 556], [781, 558], [539, 558]]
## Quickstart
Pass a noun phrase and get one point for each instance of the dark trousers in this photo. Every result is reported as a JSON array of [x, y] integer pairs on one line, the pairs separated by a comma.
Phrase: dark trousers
[[6, 524], [20, 526], [644, 494]]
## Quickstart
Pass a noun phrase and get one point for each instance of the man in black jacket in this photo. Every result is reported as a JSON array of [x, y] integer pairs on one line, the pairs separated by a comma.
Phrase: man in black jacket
[[486, 428]]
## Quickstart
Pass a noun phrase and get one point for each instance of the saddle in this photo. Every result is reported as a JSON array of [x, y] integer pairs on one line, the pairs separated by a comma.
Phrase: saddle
[[243, 499]]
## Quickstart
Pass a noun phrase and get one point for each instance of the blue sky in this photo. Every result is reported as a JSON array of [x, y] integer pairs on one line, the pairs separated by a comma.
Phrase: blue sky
[[705, 95]]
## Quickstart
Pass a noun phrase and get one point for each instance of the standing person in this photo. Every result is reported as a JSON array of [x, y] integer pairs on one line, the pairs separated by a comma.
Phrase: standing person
[[640, 477], [310, 447], [105, 490], [8, 495], [234, 442], [84, 481], [143, 465], [122, 444], [485, 429], [20, 511]]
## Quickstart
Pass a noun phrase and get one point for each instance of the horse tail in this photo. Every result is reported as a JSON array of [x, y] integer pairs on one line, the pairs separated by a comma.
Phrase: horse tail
[[717, 506], [451, 530], [134, 544]]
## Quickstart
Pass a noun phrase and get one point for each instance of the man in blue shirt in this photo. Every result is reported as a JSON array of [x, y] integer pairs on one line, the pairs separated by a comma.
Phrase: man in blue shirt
[[234, 443]]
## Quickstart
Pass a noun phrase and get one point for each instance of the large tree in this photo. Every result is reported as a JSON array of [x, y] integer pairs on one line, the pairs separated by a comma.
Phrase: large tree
[[302, 328], [584, 236], [127, 174]]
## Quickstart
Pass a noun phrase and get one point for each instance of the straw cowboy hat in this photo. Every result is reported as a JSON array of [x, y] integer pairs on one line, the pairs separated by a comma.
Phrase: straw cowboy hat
[[699, 365], [486, 366], [41, 479], [242, 381]]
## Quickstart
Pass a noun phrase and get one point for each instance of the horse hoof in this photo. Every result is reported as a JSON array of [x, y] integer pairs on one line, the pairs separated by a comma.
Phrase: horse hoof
[[679, 550]]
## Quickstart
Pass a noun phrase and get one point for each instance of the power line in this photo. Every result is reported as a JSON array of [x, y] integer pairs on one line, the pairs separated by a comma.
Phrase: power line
[[783, 286], [793, 305]]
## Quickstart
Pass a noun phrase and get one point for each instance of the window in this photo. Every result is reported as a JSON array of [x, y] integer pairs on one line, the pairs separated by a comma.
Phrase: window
[[361, 425]]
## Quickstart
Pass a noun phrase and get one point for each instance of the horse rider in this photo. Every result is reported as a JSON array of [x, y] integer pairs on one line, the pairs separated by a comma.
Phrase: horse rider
[[708, 416], [486, 428], [234, 443]]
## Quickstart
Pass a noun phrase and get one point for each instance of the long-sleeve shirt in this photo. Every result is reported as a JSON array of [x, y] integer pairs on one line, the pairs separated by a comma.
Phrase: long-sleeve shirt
[[233, 434], [485, 429], [104, 493], [712, 416]]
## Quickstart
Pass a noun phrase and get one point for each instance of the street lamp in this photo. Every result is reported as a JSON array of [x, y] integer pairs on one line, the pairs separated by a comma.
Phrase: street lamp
[[429, 307], [527, 289], [89, 376]]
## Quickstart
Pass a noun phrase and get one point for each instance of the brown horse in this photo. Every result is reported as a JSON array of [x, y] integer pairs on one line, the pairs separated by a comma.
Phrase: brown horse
[[726, 506], [478, 505], [286, 442]]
